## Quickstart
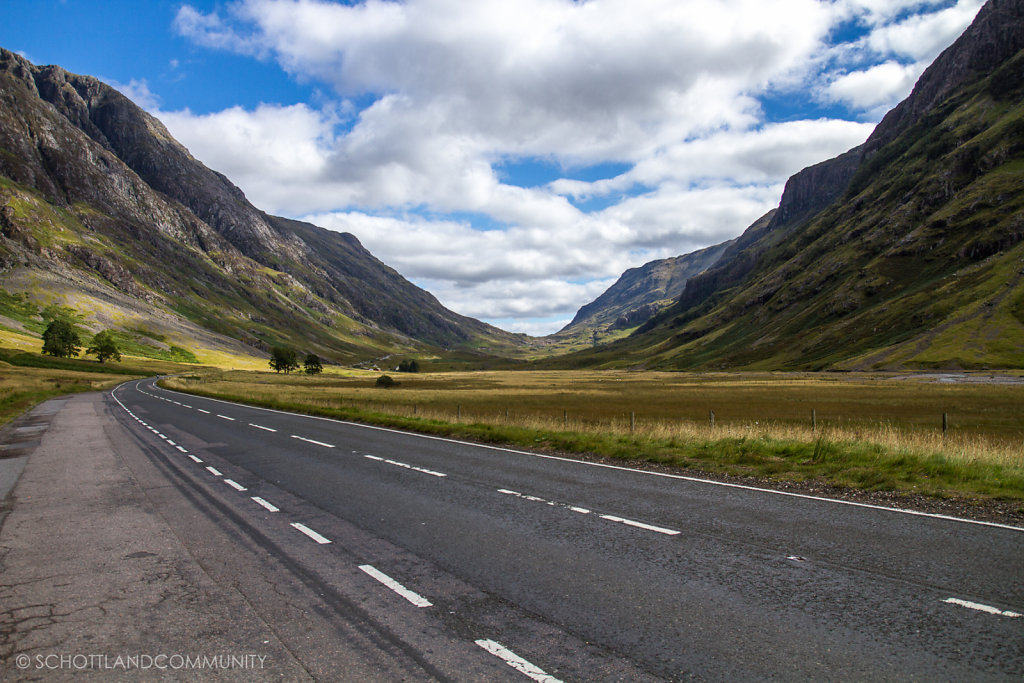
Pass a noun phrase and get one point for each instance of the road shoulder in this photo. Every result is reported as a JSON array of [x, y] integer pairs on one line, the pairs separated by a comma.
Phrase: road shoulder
[[94, 581]]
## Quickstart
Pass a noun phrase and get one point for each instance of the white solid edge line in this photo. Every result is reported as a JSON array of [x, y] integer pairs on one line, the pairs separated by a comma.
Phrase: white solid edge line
[[269, 506], [665, 475], [517, 662], [312, 534], [982, 608], [640, 525], [235, 485], [414, 598], [318, 443]]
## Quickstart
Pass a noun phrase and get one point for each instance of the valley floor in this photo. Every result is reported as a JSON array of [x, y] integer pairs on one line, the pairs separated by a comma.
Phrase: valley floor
[[937, 437]]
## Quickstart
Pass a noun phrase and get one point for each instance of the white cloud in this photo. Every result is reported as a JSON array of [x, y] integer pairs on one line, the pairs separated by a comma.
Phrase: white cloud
[[894, 53], [277, 154], [576, 81], [763, 155], [881, 84], [137, 90], [922, 37], [670, 89]]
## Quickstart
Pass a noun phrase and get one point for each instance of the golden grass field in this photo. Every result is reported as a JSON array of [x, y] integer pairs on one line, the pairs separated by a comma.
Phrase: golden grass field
[[22, 388], [871, 431], [762, 421]]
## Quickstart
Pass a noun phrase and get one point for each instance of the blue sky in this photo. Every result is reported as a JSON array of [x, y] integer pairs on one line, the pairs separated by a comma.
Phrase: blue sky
[[513, 157]]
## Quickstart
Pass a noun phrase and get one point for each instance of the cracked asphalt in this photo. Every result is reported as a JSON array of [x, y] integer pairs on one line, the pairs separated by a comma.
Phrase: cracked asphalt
[[90, 571]]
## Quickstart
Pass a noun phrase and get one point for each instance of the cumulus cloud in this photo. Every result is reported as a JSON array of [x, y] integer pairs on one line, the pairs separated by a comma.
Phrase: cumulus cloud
[[894, 53], [879, 85], [670, 90]]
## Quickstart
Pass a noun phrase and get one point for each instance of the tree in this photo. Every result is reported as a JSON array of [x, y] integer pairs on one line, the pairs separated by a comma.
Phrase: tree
[[61, 340], [313, 365], [409, 366], [385, 382], [104, 346], [284, 359]]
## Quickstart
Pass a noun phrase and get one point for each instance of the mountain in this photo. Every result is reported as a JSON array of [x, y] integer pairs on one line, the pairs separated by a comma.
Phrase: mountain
[[102, 209], [639, 294], [903, 253]]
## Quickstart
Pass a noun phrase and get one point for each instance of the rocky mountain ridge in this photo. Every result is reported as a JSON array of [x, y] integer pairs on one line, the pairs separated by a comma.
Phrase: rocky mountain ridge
[[94, 191], [642, 292]]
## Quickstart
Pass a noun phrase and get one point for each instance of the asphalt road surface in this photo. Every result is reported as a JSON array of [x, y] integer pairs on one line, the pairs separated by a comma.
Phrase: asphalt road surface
[[423, 558]]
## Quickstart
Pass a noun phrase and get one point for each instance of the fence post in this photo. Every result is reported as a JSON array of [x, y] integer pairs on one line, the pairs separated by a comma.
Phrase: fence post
[[458, 412], [945, 424], [565, 419], [632, 421], [814, 420], [711, 418]]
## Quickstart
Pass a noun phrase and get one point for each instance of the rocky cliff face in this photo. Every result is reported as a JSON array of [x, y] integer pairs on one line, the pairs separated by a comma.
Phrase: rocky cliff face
[[814, 188], [641, 292], [995, 35], [92, 182]]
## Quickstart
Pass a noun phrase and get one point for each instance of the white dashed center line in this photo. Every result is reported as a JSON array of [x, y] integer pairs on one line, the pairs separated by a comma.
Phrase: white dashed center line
[[269, 506], [214, 471], [982, 608], [318, 443], [195, 459], [207, 412], [585, 511], [235, 485], [516, 662], [266, 429], [309, 532], [412, 597], [225, 417], [407, 466], [640, 525]]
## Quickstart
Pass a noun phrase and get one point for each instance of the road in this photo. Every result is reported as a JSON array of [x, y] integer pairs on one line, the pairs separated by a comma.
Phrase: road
[[438, 559]]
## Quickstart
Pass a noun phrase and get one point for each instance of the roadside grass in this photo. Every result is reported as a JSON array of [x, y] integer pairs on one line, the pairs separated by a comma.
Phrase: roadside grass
[[27, 379], [871, 432], [22, 388]]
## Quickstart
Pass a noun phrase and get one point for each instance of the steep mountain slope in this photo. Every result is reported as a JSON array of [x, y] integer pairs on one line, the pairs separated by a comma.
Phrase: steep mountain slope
[[99, 205], [918, 263], [639, 294]]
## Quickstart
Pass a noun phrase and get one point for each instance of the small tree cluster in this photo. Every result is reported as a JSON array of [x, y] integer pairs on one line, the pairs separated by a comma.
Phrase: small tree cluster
[[60, 339], [284, 359], [386, 382], [409, 366], [104, 346], [312, 365]]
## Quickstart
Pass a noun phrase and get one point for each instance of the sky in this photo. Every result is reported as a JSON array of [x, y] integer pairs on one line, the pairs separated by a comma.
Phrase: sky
[[512, 157]]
